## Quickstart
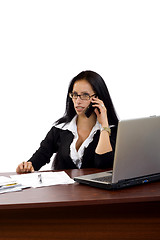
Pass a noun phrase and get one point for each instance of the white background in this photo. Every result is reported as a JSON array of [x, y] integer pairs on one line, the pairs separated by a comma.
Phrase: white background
[[44, 44]]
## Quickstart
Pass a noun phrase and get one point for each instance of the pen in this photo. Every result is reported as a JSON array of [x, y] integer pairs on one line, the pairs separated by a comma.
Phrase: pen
[[40, 178]]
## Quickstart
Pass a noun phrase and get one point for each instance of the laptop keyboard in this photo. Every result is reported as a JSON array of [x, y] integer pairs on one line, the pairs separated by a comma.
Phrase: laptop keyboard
[[103, 179]]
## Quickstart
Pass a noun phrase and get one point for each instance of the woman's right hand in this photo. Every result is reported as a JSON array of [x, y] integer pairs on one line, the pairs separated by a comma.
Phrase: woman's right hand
[[25, 167]]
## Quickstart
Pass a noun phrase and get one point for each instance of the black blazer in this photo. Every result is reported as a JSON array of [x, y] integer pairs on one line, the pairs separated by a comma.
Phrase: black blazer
[[58, 141]]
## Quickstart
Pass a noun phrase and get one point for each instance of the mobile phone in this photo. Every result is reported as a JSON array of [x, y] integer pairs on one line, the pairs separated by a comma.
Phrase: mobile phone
[[89, 110]]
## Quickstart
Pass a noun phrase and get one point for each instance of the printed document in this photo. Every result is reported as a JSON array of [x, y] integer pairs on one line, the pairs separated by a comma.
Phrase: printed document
[[9, 185], [42, 179]]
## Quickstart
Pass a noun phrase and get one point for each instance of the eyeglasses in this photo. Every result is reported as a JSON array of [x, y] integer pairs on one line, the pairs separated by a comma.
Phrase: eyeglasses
[[84, 96]]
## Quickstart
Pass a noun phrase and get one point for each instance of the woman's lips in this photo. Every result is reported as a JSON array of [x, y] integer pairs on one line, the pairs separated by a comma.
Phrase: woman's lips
[[79, 109]]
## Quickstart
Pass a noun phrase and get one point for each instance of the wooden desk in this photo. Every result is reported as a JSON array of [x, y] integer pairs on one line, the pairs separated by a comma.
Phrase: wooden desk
[[81, 212]]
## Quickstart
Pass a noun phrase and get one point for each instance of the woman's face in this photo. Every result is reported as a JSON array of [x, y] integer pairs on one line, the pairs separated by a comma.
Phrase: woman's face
[[83, 88]]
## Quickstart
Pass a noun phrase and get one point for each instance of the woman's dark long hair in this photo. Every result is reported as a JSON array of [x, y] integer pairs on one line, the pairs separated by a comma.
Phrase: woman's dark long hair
[[100, 88]]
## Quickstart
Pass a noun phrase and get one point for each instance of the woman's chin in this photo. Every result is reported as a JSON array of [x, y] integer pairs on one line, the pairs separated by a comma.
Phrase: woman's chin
[[80, 112]]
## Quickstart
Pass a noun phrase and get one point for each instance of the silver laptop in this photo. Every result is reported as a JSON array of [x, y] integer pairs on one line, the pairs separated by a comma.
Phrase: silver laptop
[[137, 156]]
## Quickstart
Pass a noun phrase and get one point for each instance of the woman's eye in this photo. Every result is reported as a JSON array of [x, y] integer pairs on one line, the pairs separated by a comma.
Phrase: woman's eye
[[85, 94]]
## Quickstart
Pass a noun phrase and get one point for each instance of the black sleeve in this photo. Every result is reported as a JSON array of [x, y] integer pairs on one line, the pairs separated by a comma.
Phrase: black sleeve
[[106, 160], [47, 147]]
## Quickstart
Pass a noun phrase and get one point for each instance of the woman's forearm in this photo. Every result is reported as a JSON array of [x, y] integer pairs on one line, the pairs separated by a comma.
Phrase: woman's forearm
[[104, 144]]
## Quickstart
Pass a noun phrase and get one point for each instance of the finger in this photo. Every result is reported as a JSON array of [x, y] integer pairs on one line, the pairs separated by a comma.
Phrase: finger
[[27, 166], [101, 107], [97, 112], [30, 167], [20, 168], [98, 101]]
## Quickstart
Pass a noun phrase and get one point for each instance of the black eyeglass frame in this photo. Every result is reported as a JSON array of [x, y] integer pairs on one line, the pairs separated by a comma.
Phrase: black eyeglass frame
[[80, 95]]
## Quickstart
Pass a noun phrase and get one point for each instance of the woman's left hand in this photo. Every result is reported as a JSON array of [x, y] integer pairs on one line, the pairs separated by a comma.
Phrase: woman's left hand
[[100, 111]]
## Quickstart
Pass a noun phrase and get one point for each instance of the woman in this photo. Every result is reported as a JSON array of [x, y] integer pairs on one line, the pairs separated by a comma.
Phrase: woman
[[80, 141]]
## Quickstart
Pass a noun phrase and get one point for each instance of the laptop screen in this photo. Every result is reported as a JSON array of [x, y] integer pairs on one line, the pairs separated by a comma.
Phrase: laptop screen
[[137, 150]]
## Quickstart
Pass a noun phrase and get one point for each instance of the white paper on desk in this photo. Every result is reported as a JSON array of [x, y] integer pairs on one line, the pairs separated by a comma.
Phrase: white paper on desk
[[6, 180], [16, 189], [48, 179], [8, 184]]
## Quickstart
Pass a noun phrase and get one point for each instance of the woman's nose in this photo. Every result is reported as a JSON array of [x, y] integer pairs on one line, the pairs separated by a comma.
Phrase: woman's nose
[[78, 99]]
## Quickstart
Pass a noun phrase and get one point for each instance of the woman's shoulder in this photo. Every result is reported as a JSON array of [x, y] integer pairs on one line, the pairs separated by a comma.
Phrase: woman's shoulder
[[57, 132], [70, 126]]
